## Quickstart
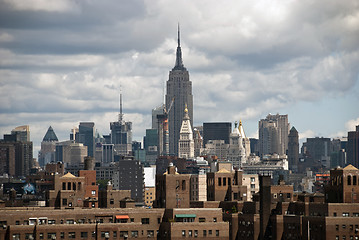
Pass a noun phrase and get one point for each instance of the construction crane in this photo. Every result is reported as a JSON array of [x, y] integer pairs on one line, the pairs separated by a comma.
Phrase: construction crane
[[163, 133]]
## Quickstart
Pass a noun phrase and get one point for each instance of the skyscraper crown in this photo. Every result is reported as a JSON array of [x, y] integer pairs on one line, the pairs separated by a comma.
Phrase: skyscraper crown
[[179, 63]]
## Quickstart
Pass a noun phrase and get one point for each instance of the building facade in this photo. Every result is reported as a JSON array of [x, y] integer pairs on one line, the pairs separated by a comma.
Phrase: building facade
[[186, 142], [179, 92]]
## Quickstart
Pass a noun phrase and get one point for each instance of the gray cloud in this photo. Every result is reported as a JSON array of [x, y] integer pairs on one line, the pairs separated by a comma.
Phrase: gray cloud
[[65, 61]]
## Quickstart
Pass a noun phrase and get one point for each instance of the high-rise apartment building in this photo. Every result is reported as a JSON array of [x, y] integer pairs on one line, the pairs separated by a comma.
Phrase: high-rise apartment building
[[179, 94], [353, 147], [293, 149], [273, 134]]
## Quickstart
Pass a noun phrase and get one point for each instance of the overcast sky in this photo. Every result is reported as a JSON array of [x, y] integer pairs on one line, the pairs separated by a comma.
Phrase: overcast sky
[[63, 62]]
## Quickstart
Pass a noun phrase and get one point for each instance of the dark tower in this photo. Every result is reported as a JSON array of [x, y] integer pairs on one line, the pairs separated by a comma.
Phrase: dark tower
[[179, 88], [264, 204], [353, 147], [293, 149]]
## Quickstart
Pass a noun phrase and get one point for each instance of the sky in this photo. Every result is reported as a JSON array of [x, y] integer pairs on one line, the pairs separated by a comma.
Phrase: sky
[[65, 61]]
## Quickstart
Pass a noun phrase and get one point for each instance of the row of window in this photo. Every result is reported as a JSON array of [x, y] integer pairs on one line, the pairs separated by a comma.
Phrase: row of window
[[84, 235], [351, 227], [347, 214], [194, 233], [345, 237]]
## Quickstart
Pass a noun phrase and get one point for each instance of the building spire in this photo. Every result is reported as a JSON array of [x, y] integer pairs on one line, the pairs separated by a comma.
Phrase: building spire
[[120, 115], [179, 63]]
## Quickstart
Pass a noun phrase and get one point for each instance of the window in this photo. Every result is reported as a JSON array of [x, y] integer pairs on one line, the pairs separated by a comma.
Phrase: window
[[183, 184], [158, 220], [253, 179], [123, 234], [150, 233], [189, 233], [195, 233], [209, 232], [183, 233], [70, 221], [64, 202], [72, 235], [69, 186], [202, 219], [349, 180], [93, 192], [288, 195], [204, 233], [344, 226], [62, 235], [354, 180], [134, 234], [112, 201], [229, 181], [114, 234], [355, 214], [214, 219], [16, 236], [351, 227], [17, 223], [345, 214], [217, 233], [219, 181], [51, 235], [29, 236], [132, 219], [337, 227], [145, 220], [335, 214], [51, 222], [83, 234], [253, 186], [224, 181], [63, 186]]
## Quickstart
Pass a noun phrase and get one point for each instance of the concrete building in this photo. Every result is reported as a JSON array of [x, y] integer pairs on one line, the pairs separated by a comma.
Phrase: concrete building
[[48, 147], [293, 149], [353, 147], [70, 153], [172, 189], [198, 187], [316, 152], [216, 131], [150, 185], [186, 142], [225, 185], [108, 153], [121, 134], [273, 134], [127, 174], [251, 181], [86, 136], [216, 148], [7, 158], [179, 88]]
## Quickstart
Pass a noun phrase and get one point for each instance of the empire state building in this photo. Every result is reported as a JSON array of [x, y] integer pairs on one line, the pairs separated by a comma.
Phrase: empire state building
[[179, 90]]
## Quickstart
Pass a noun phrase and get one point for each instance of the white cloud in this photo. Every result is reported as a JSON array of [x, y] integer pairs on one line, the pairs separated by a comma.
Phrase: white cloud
[[42, 5]]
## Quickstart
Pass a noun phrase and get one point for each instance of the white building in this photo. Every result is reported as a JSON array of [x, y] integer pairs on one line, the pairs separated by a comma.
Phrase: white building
[[236, 152], [186, 143]]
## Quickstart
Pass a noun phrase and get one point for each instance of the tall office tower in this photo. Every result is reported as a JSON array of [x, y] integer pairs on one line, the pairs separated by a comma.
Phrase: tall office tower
[[70, 153], [353, 147], [157, 111], [317, 153], [293, 149], [236, 152], [48, 147], [86, 136], [246, 142], [216, 131], [186, 143], [22, 133], [179, 88], [121, 134], [273, 134]]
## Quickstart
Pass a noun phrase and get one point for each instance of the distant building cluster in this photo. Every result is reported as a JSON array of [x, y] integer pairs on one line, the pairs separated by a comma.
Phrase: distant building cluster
[[206, 181]]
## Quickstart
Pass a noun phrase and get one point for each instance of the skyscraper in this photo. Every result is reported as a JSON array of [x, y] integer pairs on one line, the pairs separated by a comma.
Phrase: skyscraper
[[353, 147], [273, 134], [48, 147], [216, 131], [293, 149], [87, 137], [179, 88], [121, 134]]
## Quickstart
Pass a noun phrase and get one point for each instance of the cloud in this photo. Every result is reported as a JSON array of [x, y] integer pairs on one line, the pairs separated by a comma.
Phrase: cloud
[[66, 61], [306, 134]]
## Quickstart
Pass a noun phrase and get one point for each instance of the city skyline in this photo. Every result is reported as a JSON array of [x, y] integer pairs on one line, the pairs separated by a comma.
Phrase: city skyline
[[64, 62]]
